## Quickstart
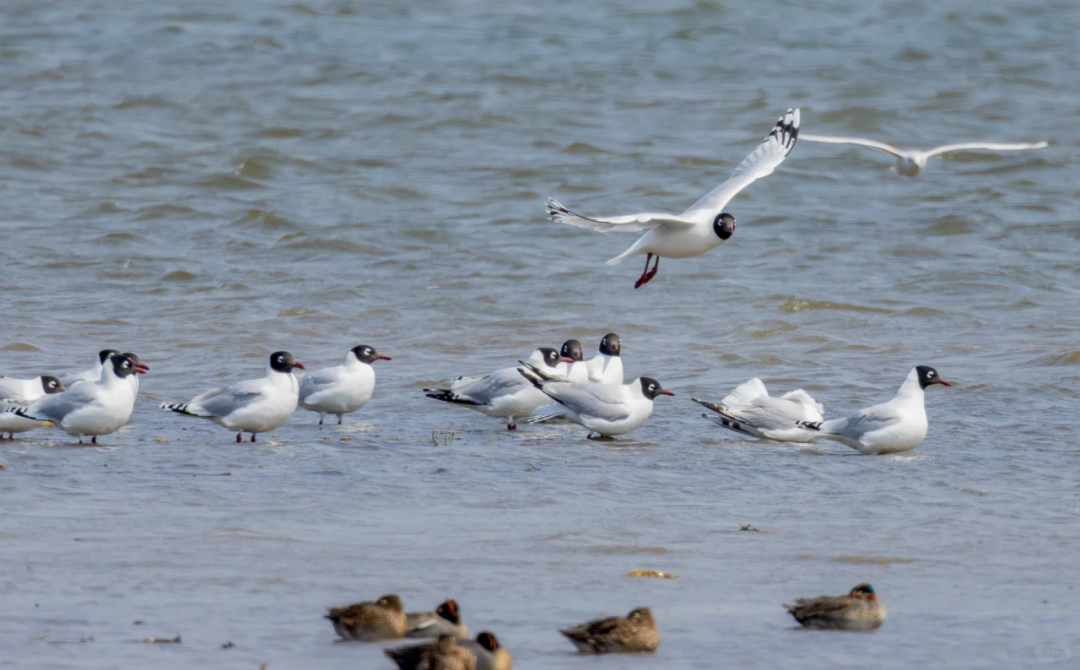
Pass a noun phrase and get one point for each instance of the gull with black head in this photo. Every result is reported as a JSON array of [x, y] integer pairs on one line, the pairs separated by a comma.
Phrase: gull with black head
[[16, 393], [253, 406], [605, 409], [341, 389], [89, 409], [702, 227], [503, 394], [889, 428]]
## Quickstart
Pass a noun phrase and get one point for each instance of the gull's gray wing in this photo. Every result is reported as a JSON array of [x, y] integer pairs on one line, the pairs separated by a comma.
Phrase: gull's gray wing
[[58, 405], [499, 383], [603, 401], [862, 422]]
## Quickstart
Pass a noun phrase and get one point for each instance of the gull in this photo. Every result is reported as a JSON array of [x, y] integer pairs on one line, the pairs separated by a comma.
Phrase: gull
[[605, 409], [253, 406], [606, 366], [15, 393], [889, 428], [910, 162], [342, 389], [576, 370], [750, 410], [603, 368], [702, 227], [504, 393], [89, 409]]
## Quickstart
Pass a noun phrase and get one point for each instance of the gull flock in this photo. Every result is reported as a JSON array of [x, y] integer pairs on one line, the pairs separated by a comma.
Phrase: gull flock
[[550, 385]]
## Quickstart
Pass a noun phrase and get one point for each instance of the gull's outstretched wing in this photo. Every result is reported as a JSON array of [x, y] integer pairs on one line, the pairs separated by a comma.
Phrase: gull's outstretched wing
[[989, 146], [760, 163], [627, 224], [827, 139]]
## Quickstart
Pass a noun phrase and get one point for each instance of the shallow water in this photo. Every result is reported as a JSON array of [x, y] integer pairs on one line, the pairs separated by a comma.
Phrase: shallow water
[[206, 184]]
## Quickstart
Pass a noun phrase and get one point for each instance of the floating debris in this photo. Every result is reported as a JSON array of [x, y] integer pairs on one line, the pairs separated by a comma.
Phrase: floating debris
[[655, 574], [750, 528], [160, 640], [228, 645]]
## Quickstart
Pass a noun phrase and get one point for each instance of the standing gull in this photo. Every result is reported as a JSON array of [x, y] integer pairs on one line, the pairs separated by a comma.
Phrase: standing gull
[[504, 393], [89, 409], [910, 162], [253, 406], [342, 389], [891, 427], [702, 227]]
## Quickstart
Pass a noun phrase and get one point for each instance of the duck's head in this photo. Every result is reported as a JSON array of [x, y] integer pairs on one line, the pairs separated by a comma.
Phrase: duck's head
[[391, 602], [449, 611], [864, 590], [642, 615], [487, 641]]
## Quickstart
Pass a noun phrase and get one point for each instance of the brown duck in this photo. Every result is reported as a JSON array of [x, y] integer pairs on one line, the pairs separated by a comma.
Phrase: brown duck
[[383, 619], [443, 655], [636, 632], [860, 610]]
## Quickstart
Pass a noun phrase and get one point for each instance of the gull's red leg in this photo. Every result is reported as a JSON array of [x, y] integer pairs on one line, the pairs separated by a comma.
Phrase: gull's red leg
[[645, 273]]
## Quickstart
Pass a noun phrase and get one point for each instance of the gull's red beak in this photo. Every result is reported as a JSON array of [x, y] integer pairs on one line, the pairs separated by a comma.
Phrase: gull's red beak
[[384, 357], [667, 392], [567, 360], [945, 383], [300, 365], [141, 368]]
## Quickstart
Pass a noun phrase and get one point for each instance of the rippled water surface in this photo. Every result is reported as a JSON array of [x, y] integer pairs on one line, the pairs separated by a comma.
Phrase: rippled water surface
[[204, 183]]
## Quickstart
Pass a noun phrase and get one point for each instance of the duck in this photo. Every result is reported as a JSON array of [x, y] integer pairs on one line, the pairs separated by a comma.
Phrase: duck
[[446, 619], [859, 610], [445, 654], [376, 621], [634, 633]]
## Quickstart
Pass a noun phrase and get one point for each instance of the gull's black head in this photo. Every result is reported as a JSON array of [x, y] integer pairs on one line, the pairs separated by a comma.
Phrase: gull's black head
[[140, 367], [51, 384], [651, 388], [283, 361], [122, 365], [106, 354], [572, 349], [928, 376], [551, 357], [610, 346], [366, 354], [724, 225]]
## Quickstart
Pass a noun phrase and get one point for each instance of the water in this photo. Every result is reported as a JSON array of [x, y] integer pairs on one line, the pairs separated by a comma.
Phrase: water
[[206, 183]]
